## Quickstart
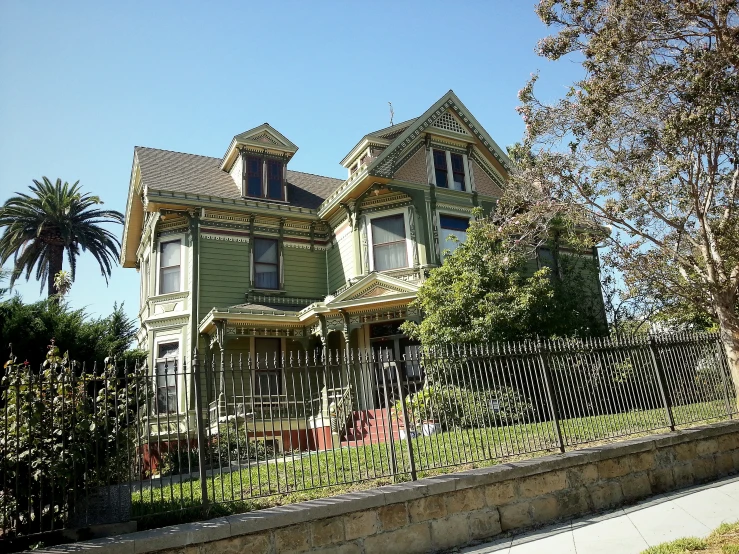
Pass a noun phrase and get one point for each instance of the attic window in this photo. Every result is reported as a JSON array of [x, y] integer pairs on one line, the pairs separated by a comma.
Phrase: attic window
[[263, 178]]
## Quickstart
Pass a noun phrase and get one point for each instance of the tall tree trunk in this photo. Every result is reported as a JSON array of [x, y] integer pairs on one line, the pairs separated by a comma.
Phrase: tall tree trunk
[[729, 324], [56, 261]]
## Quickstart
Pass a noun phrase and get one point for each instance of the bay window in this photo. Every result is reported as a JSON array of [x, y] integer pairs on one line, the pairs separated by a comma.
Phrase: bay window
[[169, 266], [452, 226], [266, 264], [388, 242]]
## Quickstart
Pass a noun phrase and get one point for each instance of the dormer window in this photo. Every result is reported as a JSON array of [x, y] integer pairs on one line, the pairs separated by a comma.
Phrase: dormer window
[[264, 178], [253, 176], [274, 180], [449, 170]]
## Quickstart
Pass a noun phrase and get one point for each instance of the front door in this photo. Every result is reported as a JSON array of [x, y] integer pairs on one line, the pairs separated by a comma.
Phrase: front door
[[396, 358]]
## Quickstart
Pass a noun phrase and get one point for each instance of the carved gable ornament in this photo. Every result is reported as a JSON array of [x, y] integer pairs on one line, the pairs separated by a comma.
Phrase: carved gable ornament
[[374, 285]]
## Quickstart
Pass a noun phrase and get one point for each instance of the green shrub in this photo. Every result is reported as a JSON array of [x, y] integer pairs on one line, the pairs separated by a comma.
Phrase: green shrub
[[458, 407]]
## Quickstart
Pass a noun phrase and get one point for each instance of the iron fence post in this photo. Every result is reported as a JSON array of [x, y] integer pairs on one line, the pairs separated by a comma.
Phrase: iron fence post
[[660, 373], [200, 427], [406, 426], [543, 352], [720, 357]]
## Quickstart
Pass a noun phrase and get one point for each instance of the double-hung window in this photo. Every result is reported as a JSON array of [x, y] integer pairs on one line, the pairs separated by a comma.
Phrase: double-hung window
[[166, 378], [263, 178], [440, 168], [452, 226], [266, 264], [449, 170], [388, 242], [169, 266]]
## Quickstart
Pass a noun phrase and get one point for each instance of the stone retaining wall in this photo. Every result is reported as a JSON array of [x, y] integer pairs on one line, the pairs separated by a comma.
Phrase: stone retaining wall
[[442, 512]]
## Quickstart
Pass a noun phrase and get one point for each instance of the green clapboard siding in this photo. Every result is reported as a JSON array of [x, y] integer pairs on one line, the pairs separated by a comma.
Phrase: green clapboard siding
[[224, 273], [305, 272], [336, 271]]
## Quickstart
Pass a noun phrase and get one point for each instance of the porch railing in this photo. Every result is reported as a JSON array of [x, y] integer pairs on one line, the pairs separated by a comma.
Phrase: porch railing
[[259, 407]]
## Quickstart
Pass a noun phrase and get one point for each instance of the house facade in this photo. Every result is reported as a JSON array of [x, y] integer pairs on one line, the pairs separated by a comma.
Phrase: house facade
[[246, 256]]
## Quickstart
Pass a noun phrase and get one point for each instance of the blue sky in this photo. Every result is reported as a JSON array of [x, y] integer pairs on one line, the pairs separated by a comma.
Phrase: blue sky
[[82, 83]]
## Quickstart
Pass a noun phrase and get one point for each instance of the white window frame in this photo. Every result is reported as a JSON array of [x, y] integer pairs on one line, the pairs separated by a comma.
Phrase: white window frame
[[458, 215], [449, 170], [159, 341], [408, 242], [144, 268], [158, 278]]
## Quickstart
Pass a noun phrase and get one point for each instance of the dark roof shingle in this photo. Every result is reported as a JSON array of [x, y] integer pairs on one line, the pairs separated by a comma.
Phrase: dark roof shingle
[[194, 174]]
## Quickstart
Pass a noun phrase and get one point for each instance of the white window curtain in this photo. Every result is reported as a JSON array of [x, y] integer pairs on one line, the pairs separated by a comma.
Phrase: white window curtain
[[388, 242], [169, 266]]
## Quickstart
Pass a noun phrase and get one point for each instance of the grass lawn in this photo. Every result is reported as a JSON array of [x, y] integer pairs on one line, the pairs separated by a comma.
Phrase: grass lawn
[[294, 477], [723, 540]]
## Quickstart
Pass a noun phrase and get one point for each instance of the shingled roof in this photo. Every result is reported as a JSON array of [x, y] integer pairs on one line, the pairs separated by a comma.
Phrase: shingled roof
[[194, 174]]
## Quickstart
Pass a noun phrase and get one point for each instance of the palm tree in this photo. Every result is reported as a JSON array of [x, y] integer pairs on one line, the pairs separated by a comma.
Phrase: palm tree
[[56, 217]]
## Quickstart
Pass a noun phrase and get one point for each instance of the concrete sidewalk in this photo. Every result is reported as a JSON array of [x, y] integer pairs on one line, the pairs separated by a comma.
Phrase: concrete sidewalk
[[689, 512]]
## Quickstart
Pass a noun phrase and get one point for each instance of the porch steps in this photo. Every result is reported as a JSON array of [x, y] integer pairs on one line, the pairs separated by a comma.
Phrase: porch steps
[[370, 427]]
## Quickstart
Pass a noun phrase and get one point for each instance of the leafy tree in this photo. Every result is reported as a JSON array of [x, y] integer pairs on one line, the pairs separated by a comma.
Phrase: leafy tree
[[30, 328], [486, 291], [54, 218], [646, 143]]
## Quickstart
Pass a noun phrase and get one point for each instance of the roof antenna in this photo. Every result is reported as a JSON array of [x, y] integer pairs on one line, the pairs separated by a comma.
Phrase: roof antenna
[[392, 113]]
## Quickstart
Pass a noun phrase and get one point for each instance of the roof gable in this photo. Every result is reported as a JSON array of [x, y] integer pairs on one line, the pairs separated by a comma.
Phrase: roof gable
[[260, 138], [447, 115], [372, 286]]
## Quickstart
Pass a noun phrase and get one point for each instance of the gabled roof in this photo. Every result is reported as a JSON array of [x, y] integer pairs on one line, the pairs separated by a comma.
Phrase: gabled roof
[[383, 165], [164, 170], [372, 288], [262, 137]]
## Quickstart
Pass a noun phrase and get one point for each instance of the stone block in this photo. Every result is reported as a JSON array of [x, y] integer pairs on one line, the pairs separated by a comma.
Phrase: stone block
[[361, 524], [500, 494], [543, 484], [706, 447], [662, 480], [574, 501], [258, 543], [704, 469], [544, 509], [465, 500], [393, 517], [582, 475], [451, 531], [423, 509], [615, 467], [327, 531], [295, 538], [683, 475], [484, 523], [636, 486], [686, 451], [605, 495], [347, 548], [724, 464], [515, 516], [728, 442], [665, 458], [414, 539], [643, 461]]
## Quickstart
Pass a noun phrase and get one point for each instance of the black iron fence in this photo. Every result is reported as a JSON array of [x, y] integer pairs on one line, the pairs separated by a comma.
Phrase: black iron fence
[[85, 445]]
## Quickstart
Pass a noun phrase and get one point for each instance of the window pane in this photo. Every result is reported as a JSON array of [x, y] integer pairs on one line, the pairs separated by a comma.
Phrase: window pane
[[265, 251], [254, 177], [169, 350], [170, 254], [266, 383], [451, 244], [440, 159], [265, 276], [457, 163], [390, 256], [454, 223], [169, 280], [388, 229], [274, 180], [440, 169]]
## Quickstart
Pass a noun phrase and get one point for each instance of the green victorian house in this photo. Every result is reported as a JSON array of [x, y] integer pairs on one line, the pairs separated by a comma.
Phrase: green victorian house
[[244, 255]]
